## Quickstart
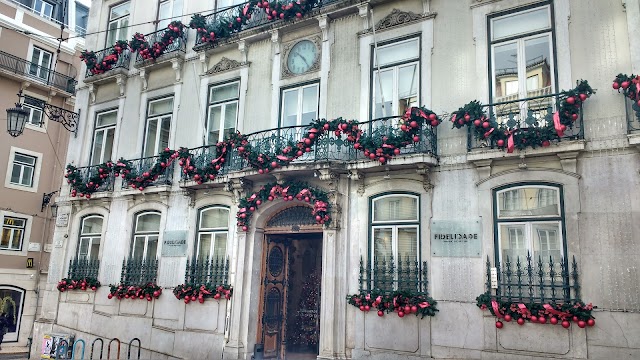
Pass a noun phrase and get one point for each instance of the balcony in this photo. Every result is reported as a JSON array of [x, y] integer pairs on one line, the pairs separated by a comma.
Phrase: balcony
[[178, 46], [91, 174], [21, 69], [142, 165], [110, 61], [633, 121]]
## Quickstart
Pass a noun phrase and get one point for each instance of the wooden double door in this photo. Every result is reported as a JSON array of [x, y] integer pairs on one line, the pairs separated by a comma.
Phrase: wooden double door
[[289, 321]]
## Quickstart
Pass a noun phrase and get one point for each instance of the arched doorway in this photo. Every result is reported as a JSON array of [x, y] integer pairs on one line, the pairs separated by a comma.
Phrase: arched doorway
[[289, 319], [11, 303]]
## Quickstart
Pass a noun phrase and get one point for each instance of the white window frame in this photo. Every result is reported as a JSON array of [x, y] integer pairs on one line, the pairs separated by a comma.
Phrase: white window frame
[[40, 67], [300, 90], [25, 237], [44, 120], [14, 228], [89, 237], [14, 336], [160, 119], [104, 129], [23, 166], [223, 105], [144, 236], [164, 22], [41, 11], [119, 29], [30, 121], [36, 172], [211, 231]]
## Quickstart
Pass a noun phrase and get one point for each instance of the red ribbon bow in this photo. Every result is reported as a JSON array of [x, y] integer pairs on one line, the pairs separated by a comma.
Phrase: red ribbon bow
[[561, 314], [496, 309], [556, 123]]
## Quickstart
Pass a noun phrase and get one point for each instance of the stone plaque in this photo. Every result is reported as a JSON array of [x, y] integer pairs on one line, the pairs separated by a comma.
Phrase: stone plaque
[[34, 246], [62, 220], [456, 238], [174, 243]]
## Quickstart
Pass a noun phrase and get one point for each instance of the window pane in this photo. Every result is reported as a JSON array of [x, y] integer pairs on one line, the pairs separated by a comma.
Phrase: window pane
[[382, 245], [150, 142], [83, 249], [5, 241], [513, 242], [383, 92], [123, 28], [46, 59], [215, 114], [408, 244], [290, 108], [547, 241], [224, 92], [164, 12], [108, 144], [528, 202], [395, 208], [119, 11], [36, 116], [230, 116], [204, 246], [113, 33], [539, 70], [505, 59], [98, 143], [108, 118], [309, 104], [524, 22], [214, 218], [138, 247], [220, 246], [164, 134], [407, 88], [92, 225], [398, 52], [15, 174], [177, 8], [148, 222], [152, 247], [25, 159], [163, 106], [94, 249], [27, 176]]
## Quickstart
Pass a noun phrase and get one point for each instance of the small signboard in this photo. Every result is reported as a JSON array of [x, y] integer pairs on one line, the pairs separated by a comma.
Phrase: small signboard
[[456, 238], [34, 246], [62, 220], [174, 243]]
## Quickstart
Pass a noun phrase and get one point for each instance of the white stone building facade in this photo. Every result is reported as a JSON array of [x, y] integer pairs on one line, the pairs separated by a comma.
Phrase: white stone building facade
[[578, 198]]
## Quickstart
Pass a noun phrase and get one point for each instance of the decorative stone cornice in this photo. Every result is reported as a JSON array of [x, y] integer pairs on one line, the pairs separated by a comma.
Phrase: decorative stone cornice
[[399, 18], [225, 64]]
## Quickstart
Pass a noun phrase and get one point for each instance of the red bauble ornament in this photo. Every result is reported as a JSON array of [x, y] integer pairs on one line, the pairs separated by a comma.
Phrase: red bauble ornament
[[520, 321], [403, 127], [499, 324], [413, 124], [616, 86], [433, 116], [533, 319], [193, 298], [186, 300], [625, 84], [500, 143], [583, 97], [361, 307], [582, 324], [574, 117], [414, 309], [380, 313], [245, 228], [553, 321], [575, 319], [477, 122], [274, 164], [507, 318], [156, 293], [382, 159], [571, 100], [467, 117], [546, 143], [407, 309], [566, 324], [93, 288], [400, 314], [110, 296], [434, 123], [367, 308], [416, 139], [542, 320], [591, 322], [485, 124]]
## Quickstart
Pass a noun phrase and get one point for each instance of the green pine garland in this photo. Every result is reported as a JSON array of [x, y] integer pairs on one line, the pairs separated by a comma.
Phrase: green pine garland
[[80, 283], [629, 86], [149, 291], [200, 292], [402, 302]]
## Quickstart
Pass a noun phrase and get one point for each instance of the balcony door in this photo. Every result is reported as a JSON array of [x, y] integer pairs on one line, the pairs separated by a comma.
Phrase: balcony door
[[40, 63]]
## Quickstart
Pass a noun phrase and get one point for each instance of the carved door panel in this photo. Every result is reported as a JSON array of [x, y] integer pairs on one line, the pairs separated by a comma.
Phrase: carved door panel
[[275, 286]]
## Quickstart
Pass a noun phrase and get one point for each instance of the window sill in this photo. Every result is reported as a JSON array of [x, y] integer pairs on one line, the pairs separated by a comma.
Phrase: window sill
[[20, 187], [41, 129], [22, 252], [634, 139]]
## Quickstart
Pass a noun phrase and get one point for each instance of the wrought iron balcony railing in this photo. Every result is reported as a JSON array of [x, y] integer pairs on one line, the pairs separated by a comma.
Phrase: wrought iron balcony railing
[[633, 116], [139, 166], [89, 172], [179, 44], [258, 18], [207, 271], [36, 72], [525, 279], [83, 268], [328, 147], [526, 115], [387, 275], [122, 62], [139, 271]]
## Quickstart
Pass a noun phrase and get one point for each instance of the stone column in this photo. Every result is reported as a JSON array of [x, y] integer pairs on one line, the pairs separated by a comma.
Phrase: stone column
[[234, 346]]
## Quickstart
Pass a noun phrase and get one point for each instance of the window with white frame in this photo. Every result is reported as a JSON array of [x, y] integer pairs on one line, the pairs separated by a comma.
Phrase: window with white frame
[[530, 223], [90, 237], [158, 126], [43, 8], [82, 15], [222, 4], [299, 105], [35, 108], [103, 136], [395, 234], [222, 116], [396, 77], [521, 53], [40, 63], [213, 232], [168, 11], [13, 229], [145, 237], [13, 302], [23, 169], [118, 28]]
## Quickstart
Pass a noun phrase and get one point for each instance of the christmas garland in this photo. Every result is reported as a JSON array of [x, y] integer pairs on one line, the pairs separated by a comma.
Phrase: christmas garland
[[100, 67], [143, 178], [555, 313], [78, 284], [80, 186], [506, 135], [289, 192], [193, 292], [149, 291], [139, 44], [401, 302], [225, 26], [629, 86]]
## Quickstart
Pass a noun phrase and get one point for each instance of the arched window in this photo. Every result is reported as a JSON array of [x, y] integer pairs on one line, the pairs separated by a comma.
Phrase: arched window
[[212, 234], [145, 236], [90, 237], [11, 303]]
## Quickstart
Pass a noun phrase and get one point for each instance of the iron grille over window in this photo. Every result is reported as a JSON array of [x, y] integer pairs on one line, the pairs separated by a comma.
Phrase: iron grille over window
[[83, 268], [138, 271], [209, 271], [388, 275]]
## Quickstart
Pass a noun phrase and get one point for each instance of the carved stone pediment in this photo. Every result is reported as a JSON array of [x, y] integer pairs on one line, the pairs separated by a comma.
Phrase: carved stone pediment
[[225, 64], [397, 18]]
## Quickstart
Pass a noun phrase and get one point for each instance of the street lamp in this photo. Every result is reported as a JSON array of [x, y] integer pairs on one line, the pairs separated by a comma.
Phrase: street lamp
[[16, 118]]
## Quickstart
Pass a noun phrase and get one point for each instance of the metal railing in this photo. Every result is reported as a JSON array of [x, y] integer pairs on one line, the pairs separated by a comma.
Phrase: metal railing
[[139, 272], [82, 32], [258, 18], [36, 12], [525, 279], [179, 44], [387, 275], [123, 59], [89, 172], [36, 72], [207, 271], [526, 115], [633, 115], [139, 166], [83, 268]]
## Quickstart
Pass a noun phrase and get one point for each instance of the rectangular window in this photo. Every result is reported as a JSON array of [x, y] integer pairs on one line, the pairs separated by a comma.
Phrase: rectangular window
[[40, 63], [118, 23], [299, 105], [222, 4], [43, 8], [35, 108], [13, 229], [158, 126], [23, 169], [396, 77], [213, 230], [168, 11], [103, 136], [223, 111], [82, 15]]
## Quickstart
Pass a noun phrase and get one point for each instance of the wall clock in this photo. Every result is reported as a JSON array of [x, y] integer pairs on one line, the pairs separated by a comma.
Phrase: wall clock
[[302, 57]]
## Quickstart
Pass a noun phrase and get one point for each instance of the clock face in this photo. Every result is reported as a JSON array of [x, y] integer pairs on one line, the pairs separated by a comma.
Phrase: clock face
[[302, 57]]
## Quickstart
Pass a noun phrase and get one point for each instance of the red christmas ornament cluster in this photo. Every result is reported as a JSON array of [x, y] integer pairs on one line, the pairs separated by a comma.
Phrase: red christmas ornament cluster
[[78, 284], [96, 67], [174, 32], [191, 293], [84, 188], [148, 291], [629, 86], [401, 302]]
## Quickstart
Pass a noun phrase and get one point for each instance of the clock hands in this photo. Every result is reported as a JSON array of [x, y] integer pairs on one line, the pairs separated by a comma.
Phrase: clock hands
[[303, 59]]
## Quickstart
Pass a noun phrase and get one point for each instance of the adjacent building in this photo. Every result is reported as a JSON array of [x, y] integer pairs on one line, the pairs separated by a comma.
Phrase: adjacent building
[[33, 61], [447, 214]]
